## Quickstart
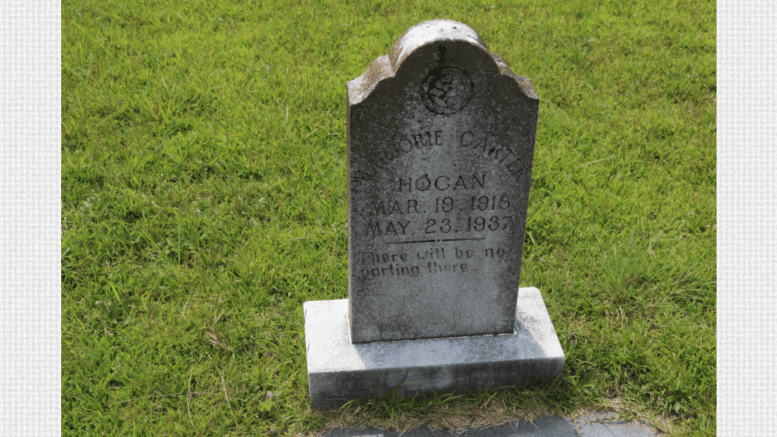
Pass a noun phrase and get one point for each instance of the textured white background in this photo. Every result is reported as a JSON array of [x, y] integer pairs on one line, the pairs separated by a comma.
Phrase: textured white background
[[747, 217], [30, 114]]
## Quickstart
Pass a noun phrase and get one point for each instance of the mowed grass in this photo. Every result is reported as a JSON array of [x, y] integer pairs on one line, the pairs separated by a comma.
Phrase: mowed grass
[[204, 200]]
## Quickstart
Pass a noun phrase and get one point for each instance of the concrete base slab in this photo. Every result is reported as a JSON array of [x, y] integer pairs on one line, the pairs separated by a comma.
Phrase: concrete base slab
[[597, 424], [604, 424], [339, 370], [547, 426]]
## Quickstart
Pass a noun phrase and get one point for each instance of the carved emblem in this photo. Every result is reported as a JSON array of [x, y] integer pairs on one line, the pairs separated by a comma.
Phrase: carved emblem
[[446, 90]]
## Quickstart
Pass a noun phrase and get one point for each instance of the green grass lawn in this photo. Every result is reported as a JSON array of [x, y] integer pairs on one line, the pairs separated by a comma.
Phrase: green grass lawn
[[204, 200]]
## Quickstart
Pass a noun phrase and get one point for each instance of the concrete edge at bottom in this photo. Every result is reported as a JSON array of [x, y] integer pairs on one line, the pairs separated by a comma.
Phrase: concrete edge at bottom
[[544, 426], [339, 371]]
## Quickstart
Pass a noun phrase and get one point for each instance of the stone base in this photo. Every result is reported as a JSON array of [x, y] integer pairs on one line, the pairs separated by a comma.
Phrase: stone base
[[339, 371]]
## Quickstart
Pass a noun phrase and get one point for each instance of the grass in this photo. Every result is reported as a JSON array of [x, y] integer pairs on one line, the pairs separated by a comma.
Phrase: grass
[[203, 201]]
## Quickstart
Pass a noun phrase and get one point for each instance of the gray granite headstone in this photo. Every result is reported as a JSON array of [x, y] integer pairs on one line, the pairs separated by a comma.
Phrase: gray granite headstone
[[440, 147]]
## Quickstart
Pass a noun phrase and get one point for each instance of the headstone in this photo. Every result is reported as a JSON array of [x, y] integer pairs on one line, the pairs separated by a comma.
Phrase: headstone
[[440, 147]]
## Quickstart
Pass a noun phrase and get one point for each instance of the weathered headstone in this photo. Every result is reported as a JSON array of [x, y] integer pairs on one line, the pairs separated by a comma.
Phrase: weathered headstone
[[440, 146]]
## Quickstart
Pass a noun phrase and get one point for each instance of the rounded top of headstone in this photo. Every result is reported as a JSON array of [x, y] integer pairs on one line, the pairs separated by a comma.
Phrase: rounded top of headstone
[[452, 34], [430, 31]]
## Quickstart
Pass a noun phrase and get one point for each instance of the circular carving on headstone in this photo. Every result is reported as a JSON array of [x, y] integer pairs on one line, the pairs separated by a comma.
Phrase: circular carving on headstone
[[446, 90]]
